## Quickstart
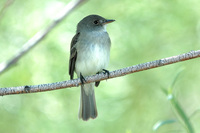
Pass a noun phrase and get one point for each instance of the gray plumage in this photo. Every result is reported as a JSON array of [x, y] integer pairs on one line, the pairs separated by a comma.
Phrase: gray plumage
[[89, 54]]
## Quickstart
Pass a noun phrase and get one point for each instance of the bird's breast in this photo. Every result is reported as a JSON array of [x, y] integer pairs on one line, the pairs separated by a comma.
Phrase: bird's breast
[[92, 56]]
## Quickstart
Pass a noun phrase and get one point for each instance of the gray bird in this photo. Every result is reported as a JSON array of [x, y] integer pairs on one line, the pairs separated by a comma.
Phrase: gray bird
[[89, 54]]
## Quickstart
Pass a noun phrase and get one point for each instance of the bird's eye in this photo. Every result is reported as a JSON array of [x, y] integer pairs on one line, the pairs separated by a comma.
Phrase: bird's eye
[[96, 22]]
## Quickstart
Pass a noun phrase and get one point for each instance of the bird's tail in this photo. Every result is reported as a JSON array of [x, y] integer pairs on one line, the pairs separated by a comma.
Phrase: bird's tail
[[88, 107]]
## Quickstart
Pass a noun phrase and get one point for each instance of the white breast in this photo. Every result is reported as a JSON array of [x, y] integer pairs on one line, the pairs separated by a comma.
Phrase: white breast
[[92, 56]]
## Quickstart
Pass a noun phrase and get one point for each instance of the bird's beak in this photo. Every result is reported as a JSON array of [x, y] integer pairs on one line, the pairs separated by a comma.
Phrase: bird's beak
[[108, 21]]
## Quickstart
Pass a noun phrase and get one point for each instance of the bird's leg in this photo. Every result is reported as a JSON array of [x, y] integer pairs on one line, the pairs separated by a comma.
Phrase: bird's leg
[[97, 82], [82, 79], [106, 72]]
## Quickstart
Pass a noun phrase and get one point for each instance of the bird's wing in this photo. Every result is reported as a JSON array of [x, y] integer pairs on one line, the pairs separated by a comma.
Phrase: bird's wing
[[73, 56]]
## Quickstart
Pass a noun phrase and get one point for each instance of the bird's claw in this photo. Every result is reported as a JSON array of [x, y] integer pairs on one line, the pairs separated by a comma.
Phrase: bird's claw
[[106, 72], [83, 80]]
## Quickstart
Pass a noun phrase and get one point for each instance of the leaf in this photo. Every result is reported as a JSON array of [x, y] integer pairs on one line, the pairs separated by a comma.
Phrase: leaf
[[162, 123]]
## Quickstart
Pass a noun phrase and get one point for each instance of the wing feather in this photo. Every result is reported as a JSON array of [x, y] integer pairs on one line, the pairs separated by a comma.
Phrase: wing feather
[[73, 56]]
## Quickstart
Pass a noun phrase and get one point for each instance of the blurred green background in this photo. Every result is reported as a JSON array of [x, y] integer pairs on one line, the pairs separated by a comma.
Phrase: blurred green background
[[144, 30]]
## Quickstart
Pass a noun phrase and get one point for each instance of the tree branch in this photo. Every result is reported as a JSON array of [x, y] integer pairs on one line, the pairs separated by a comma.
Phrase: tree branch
[[99, 77], [5, 6], [40, 35]]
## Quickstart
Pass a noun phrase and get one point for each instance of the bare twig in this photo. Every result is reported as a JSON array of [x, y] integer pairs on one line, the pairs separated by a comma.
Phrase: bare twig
[[40, 35], [99, 77], [5, 6]]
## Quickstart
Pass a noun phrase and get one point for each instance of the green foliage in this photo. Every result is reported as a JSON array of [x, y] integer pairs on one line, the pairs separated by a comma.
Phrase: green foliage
[[179, 111], [144, 30]]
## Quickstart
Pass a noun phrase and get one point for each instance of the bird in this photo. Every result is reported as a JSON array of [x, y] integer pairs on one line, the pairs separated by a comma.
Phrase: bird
[[89, 55]]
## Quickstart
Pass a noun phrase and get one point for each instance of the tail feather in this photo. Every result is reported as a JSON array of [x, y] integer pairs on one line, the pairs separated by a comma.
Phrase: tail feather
[[87, 102]]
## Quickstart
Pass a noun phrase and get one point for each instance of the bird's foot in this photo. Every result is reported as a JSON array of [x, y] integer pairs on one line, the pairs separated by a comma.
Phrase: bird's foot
[[83, 80], [106, 72]]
